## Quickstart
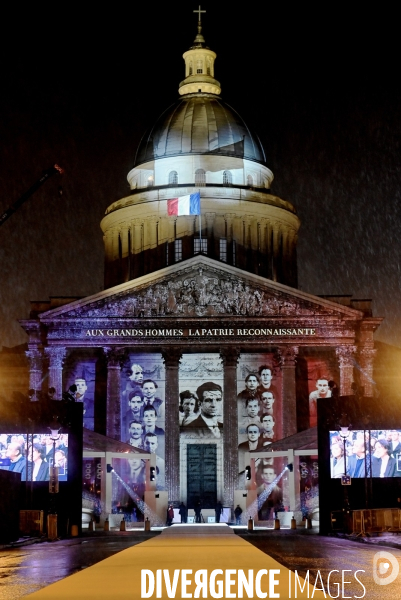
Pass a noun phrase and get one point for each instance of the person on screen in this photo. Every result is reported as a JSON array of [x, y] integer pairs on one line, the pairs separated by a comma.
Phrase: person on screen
[[61, 462], [189, 408], [150, 443], [274, 499], [383, 464], [149, 421], [149, 426], [356, 462], [266, 403], [48, 448], [135, 435], [135, 406], [252, 411], [136, 376], [149, 388], [395, 443], [251, 388], [135, 380], [253, 444], [267, 429], [17, 459], [208, 423], [337, 460], [81, 389], [136, 480], [38, 469], [322, 391], [88, 405], [265, 379]]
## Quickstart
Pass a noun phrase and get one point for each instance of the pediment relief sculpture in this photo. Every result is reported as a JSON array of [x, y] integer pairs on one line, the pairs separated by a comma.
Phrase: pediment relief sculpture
[[199, 293]]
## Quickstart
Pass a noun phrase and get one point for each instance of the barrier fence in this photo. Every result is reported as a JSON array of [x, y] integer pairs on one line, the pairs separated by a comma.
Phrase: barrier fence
[[367, 521]]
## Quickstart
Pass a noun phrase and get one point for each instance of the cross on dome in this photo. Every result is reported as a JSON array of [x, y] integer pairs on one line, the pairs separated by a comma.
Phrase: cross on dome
[[199, 11]]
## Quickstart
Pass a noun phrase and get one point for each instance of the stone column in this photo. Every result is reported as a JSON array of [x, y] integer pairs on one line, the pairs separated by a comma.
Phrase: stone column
[[291, 261], [366, 357], [288, 358], [115, 247], [125, 266], [171, 358], [269, 250], [56, 356], [210, 216], [229, 231], [137, 237], [114, 357], [229, 221], [108, 244], [276, 247], [346, 363], [151, 232], [35, 359], [230, 357]]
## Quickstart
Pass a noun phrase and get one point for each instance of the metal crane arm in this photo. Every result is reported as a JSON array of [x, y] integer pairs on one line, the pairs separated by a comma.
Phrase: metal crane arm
[[14, 207]]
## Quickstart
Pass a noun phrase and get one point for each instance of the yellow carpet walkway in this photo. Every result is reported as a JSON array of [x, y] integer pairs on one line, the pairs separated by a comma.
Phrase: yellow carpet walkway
[[191, 547]]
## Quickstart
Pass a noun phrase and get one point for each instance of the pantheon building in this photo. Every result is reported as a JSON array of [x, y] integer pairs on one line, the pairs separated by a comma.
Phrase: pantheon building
[[200, 336]]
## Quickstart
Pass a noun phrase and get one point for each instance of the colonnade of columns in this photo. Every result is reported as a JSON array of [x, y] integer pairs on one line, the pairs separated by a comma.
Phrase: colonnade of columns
[[348, 357], [251, 231], [274, 240]]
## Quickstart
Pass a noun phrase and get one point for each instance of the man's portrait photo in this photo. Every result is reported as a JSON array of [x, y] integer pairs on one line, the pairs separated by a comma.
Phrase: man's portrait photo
[[209, 423]]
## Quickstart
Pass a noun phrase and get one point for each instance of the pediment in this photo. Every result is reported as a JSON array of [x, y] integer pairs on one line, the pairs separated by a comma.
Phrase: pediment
[[200, 287]]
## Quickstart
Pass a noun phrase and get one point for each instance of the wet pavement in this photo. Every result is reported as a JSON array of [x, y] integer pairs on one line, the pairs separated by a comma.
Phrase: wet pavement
[[26, 569], [319, 555]]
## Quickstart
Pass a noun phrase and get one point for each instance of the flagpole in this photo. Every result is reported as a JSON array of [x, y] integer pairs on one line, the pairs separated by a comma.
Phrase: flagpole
[[200, 224]]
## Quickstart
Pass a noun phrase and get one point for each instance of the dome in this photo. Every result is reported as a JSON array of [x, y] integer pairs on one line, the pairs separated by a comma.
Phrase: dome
[[200, 124]]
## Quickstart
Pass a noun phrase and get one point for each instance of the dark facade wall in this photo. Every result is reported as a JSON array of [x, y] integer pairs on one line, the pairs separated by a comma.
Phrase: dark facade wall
[[14, 371], [387, 372], [10, 484]]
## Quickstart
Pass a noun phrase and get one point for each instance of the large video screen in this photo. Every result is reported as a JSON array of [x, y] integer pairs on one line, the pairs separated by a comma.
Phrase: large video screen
[[32, 455], [370, 453]]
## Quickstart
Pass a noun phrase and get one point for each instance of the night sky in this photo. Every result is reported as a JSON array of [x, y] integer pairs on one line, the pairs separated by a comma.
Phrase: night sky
[[321, 88]]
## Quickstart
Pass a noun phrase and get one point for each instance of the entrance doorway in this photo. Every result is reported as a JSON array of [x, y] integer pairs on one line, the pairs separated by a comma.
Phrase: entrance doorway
[[201, 475]]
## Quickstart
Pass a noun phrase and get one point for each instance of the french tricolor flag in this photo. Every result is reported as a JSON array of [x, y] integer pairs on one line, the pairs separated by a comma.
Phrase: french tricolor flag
[[185, 205]]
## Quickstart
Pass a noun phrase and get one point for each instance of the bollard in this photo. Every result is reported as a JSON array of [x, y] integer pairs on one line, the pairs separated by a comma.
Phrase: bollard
[[276, 523], [250, 524], [74, 530], [122, 525], [308, 523], [106, 526], [293, 523], [91, 526], [147, 524]]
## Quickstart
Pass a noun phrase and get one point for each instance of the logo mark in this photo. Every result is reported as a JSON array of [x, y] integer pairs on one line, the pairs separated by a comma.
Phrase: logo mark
[[383, 563]]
